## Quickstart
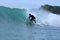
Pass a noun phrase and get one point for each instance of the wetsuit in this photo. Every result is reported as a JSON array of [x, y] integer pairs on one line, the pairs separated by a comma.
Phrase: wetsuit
[[32, 18]]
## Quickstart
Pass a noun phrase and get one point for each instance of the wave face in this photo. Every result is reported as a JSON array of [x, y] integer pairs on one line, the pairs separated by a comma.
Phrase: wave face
[[13, 25], [12, 14]]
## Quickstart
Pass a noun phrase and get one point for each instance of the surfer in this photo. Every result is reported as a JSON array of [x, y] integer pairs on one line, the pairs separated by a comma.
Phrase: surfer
[[32, 18]]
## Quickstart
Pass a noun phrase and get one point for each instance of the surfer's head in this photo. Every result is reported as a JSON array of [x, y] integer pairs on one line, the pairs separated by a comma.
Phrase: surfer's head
[[29, 14]]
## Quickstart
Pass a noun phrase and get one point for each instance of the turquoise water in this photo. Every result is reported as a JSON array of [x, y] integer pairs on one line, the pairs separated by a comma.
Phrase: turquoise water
[[13, 26], [12, 14]]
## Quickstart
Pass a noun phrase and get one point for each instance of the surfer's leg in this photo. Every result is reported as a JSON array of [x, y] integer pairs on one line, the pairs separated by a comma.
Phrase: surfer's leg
[[35, 21], [31, 20]]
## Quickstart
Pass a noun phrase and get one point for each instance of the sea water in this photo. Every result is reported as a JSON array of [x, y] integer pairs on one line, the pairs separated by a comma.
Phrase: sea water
[[13, 26]]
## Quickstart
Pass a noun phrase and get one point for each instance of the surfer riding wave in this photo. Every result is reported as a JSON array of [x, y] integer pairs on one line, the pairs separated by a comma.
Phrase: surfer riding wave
[[32, 18]]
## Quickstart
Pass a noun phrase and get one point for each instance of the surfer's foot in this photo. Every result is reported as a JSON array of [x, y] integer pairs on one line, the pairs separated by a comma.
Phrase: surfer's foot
[[35, 21]]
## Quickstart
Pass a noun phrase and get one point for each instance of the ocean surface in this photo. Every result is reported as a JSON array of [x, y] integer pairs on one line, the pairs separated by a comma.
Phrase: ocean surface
[[13, 25]]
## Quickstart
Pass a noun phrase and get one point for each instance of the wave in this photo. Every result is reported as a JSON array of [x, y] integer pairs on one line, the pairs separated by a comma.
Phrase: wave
[[20, 15], [12, 14]]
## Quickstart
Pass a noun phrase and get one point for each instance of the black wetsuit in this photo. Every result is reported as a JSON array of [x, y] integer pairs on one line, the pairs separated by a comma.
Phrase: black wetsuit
[[32, 18]]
